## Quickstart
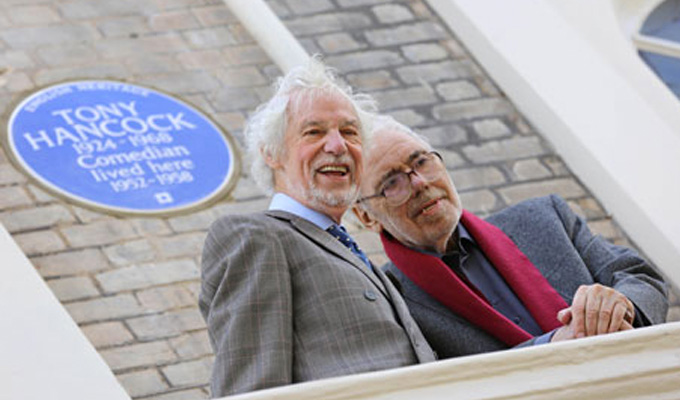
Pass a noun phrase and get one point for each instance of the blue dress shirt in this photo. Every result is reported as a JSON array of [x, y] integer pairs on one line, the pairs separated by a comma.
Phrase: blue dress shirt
[[286, 203]]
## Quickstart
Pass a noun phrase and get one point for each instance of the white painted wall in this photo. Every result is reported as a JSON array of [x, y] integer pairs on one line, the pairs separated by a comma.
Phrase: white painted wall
[[570, 67], [43, 353]]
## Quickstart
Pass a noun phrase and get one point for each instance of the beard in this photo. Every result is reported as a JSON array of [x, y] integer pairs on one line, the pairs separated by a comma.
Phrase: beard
[[320, 197]]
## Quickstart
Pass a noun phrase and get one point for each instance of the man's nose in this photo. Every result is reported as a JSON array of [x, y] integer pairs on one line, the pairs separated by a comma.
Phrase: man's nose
[[417, 181], [335, 143]]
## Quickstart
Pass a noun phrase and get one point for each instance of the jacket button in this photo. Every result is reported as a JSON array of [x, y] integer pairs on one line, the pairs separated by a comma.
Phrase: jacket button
[[370, 295]]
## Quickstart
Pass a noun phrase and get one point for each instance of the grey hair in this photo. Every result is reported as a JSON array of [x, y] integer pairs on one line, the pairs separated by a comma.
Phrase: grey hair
[[264, 133], [382, 123]]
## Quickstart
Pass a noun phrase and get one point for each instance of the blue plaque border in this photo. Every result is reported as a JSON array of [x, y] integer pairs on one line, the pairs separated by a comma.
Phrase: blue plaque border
[[220, 193]]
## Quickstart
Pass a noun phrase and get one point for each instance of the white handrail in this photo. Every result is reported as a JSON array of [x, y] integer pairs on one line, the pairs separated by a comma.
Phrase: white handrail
[[643, 363]]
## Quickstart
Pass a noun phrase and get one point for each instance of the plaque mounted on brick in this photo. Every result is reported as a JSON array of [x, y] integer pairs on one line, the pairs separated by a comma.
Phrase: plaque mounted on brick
[[121, 148]]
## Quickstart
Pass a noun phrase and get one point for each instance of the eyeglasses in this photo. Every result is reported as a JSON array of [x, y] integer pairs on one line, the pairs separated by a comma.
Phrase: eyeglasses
[[397, 188]]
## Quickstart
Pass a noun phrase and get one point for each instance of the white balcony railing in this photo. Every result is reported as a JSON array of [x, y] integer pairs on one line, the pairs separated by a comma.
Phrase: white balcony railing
[[639, 364]]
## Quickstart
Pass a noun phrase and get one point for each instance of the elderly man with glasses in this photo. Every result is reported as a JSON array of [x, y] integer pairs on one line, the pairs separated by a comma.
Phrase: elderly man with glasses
[[530, 274]]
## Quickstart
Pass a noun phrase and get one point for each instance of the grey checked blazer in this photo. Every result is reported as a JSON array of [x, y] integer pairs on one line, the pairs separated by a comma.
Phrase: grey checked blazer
[[562, 247], [285, 302]]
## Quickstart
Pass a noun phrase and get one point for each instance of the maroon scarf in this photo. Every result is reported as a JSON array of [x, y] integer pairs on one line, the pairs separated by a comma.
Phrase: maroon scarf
[[432, 275]]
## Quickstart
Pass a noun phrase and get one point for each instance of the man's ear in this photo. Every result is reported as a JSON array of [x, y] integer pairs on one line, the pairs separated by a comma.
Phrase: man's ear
[[367, 219], [271, 161]]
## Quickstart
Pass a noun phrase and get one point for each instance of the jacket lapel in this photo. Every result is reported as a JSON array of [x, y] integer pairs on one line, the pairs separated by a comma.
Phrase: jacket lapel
[[436, 279], [328, 242], [535, 292]]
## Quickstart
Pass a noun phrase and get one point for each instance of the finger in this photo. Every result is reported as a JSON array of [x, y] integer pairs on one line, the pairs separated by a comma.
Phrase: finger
[[592, 313], [629, 316], [564, 316], [625, 326], [630, 311], [577, 312], [611, 313], [562, 333], [606, 314], [617, 317], [558, 335]]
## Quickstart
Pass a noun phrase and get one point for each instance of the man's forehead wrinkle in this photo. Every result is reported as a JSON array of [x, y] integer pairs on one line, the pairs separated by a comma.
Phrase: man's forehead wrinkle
[[350, 122], [415, 154], [313, 122], [324, 123]]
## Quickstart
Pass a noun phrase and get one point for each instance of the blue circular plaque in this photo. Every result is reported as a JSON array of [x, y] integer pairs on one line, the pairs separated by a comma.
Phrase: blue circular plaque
[[120, 147]]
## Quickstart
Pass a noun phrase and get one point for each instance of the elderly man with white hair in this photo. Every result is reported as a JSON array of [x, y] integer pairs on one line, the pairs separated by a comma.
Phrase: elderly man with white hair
[[286, 293]]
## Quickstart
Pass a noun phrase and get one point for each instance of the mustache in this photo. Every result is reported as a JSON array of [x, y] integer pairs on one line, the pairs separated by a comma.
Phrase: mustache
[[326, 159], [417, 203]]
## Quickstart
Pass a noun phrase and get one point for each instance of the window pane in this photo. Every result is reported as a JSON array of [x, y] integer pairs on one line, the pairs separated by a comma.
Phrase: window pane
[[664, 22], [667, 68]]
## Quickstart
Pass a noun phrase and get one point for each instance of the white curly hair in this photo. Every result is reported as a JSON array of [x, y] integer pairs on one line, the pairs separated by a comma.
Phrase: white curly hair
[[264, 133]]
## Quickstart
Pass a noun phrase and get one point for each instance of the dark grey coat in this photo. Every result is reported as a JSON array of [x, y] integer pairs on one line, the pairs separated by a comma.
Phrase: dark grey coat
[[561, 246]]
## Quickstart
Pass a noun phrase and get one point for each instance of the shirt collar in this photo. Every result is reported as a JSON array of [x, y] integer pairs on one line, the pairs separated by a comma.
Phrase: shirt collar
[[465, 240], [283, 202], [464, 235]]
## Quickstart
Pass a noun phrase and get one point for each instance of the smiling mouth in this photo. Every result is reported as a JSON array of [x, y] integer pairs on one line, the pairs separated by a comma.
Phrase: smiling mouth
[[338, 170], [428, 206]]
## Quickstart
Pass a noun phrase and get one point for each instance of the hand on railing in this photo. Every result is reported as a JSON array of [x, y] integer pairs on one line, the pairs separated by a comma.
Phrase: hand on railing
[[596, 310]]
